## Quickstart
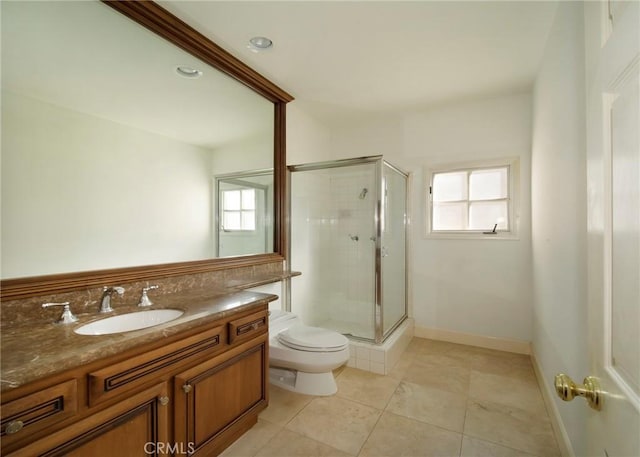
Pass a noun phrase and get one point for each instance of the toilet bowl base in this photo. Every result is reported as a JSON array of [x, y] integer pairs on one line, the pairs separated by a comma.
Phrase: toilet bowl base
[[321, 384]]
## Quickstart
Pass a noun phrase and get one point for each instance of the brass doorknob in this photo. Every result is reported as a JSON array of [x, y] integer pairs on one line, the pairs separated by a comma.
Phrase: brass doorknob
[[567, 390]]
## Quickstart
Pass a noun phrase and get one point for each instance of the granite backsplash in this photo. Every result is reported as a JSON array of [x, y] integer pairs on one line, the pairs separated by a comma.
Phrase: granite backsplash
[[87, 301]]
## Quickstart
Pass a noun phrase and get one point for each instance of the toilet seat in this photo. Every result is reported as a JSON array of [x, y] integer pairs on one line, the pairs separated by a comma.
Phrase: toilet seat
[[312, 339]]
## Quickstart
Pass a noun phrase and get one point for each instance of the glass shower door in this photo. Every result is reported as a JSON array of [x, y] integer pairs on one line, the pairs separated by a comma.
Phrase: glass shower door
[[333, 244], [393, 247]]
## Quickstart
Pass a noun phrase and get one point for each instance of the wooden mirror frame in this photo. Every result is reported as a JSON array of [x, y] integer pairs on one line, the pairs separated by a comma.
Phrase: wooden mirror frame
[[166, 25]]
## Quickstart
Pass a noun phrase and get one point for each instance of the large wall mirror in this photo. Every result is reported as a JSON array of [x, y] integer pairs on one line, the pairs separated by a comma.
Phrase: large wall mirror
[[114, 139]]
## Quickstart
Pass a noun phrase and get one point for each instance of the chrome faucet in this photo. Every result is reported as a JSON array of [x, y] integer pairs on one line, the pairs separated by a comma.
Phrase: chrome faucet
[[105, 307], [144, 299]]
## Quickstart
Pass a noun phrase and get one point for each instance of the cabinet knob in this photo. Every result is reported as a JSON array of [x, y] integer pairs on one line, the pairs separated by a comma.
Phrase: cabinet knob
[[187, 388], [164, 401], [13, 427]]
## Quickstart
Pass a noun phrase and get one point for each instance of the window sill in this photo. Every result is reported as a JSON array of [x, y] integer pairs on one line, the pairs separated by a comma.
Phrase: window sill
[[471, 236]]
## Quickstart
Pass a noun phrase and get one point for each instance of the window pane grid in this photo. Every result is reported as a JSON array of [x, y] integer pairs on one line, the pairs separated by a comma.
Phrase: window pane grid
[[238, 210], [471, 200]]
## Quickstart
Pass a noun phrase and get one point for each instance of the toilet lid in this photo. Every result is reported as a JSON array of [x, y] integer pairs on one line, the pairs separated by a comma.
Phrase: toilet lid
[[312, 339]]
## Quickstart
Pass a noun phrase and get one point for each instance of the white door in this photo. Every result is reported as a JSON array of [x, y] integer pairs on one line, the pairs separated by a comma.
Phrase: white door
[[612, 37]]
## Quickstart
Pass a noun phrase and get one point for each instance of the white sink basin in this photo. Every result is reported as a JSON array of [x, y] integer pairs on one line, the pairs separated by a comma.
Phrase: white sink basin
[[129, 322]]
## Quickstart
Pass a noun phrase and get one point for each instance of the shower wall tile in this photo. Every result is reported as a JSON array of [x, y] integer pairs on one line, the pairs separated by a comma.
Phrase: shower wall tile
[[402, 337], [381, 358], [378, 368], [310, 220], [362, 353], [338, 272], [363, 364], [377, 355]]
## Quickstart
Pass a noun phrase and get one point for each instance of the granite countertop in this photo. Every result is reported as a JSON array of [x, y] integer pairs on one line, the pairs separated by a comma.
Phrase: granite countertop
[[33, 351]]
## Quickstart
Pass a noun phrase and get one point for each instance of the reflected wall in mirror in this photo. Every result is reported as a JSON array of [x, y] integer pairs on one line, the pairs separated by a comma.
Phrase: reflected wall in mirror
[[108, 152], [244, 222]]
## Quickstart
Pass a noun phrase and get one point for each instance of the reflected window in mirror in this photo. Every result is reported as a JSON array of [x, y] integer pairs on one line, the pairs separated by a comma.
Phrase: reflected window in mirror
[[244, 222]]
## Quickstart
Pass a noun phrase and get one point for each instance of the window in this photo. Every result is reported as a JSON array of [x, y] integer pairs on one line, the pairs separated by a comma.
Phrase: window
[[238, 209], [472, 199]]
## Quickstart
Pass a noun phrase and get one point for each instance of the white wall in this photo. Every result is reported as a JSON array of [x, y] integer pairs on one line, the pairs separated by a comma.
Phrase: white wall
[[251, 153], [83, 193], [559, 212], [479, 287], [307, 139]]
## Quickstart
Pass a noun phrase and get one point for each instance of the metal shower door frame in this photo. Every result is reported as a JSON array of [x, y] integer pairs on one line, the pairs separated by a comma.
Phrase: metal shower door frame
[[379, 163], [381, 335]]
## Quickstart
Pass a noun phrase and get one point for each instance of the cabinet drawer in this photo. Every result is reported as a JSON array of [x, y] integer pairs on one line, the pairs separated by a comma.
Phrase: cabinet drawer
[[136, 426], [146, 368], [248, 327], [34, 412]]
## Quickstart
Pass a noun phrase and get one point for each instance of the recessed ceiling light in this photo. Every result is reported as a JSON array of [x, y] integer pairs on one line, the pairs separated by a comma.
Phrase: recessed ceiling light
[[188, 72], [259, 43]]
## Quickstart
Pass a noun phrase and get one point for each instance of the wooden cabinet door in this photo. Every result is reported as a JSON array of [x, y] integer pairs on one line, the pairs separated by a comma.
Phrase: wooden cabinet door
[[33, 413], [218, 400], [137, 426]]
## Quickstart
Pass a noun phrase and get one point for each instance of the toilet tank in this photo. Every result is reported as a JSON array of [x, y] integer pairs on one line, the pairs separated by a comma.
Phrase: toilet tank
[[280, 320]]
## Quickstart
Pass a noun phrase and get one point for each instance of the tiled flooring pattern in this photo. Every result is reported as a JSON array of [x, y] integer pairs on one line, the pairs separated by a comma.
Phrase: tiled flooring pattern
[[441, 399]]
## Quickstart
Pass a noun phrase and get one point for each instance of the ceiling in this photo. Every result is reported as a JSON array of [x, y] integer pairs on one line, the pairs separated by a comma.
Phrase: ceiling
[[346, 60]]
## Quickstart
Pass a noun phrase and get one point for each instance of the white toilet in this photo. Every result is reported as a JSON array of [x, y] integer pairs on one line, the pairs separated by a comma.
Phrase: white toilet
[[301, 358]]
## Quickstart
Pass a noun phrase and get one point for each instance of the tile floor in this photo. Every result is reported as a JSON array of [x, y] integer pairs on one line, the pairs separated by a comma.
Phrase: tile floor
[[441, 399]]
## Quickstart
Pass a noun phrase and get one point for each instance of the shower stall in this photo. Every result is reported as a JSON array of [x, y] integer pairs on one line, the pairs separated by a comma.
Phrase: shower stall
[[348, 232]]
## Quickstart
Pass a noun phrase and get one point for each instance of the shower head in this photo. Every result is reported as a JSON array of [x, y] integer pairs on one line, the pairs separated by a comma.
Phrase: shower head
[[363, 193]]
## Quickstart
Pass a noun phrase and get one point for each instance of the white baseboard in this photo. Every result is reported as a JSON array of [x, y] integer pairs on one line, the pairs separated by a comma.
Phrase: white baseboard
[[488, 342], [564, 443]]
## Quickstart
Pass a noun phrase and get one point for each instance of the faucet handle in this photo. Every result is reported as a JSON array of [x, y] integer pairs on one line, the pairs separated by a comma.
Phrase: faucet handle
[[118, 289], [144, 299], [67, 316]]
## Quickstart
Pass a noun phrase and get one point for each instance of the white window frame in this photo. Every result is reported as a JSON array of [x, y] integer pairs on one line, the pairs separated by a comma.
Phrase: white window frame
[[513, 200]]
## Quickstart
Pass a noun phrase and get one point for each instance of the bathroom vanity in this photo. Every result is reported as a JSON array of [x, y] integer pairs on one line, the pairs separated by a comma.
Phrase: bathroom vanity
[[191, 386]]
